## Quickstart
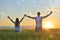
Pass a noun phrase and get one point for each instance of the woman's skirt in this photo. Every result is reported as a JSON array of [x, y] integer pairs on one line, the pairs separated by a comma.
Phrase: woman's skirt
[[17, 29]]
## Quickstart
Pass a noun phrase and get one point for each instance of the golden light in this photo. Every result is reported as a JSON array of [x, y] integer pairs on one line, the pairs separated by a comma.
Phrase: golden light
[[48, 25]]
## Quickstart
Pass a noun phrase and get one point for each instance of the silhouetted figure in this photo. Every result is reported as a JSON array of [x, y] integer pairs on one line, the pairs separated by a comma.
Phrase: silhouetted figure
[[38, 20], [17, 23]]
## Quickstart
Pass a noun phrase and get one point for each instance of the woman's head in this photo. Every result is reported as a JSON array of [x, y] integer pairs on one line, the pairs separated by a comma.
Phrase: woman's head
[[17, 19], [17, 22]]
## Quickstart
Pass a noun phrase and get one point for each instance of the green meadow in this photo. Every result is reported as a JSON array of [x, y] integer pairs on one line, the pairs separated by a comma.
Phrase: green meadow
[[30, 35]]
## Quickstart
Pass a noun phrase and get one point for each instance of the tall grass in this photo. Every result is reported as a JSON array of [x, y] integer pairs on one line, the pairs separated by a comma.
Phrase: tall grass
[[29, 35]]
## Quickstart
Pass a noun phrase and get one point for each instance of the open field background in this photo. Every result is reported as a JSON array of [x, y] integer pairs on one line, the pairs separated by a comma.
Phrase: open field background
[[53, 34]]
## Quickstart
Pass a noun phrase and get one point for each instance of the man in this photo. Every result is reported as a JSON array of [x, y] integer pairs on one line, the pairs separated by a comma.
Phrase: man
[[38, 20]]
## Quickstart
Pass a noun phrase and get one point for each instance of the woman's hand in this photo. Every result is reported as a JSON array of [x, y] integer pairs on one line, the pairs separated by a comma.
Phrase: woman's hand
[[8, 16]]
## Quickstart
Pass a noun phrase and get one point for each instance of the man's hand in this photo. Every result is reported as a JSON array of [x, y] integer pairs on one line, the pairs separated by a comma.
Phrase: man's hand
[[25, 15]]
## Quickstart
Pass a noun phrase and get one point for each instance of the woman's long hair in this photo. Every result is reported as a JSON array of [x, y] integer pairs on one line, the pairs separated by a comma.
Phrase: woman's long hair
[[17, 22]]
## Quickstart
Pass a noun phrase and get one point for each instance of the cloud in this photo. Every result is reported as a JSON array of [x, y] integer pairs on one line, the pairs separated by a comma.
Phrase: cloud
[[23, 0], [18, 2], [29, 13], [53, 2], [3, 13], [56, 9], [34, 1]]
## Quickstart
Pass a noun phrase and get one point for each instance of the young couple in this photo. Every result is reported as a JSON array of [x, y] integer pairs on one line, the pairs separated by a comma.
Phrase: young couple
[[38, 20]]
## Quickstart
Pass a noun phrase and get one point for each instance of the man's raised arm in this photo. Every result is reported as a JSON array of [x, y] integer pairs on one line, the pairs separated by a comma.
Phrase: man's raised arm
[[48, 15], [29, 16]]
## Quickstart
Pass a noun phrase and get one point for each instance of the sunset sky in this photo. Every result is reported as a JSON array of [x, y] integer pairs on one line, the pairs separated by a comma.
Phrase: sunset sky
[[17, 8]]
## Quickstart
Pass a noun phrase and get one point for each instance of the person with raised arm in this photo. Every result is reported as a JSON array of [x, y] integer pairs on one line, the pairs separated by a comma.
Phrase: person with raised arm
[[38, 20], [16, 23]]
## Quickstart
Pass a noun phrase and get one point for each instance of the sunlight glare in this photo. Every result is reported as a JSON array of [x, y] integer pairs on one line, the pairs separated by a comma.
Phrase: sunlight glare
[[48, 25]]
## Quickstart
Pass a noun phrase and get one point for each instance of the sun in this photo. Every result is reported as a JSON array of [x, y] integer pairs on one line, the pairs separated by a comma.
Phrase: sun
[[48, 25]]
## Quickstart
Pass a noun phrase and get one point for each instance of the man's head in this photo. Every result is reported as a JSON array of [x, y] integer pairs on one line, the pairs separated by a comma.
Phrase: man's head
[[38, 13]]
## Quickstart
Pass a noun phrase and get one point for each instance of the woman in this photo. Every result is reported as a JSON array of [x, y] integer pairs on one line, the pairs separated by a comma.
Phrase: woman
[[17, 23]]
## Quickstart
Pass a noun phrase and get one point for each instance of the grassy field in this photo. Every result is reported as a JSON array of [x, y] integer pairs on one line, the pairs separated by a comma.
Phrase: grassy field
[[30, 35]]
